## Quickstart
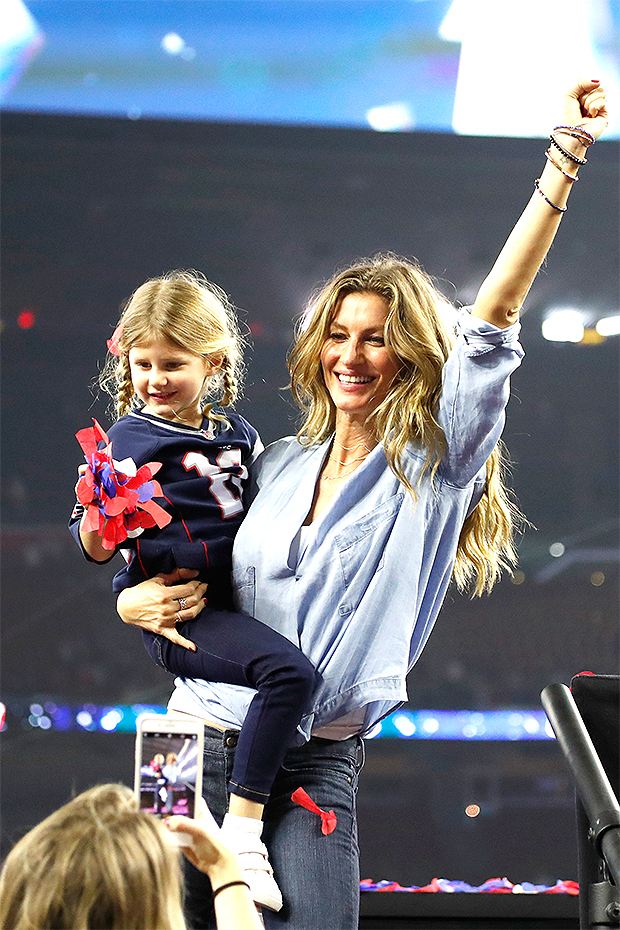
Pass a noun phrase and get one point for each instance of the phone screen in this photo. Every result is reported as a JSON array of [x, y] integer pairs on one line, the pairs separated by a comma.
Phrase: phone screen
[[168, 766]]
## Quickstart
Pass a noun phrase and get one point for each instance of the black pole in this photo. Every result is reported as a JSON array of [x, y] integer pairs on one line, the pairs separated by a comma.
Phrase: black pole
[[593, 786]]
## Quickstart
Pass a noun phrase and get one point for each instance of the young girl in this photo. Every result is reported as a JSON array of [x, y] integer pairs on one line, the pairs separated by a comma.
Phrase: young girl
[[175, 346]]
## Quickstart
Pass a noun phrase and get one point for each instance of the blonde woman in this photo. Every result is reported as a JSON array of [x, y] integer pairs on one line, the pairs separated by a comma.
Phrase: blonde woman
[[99, 863], [392, 487]]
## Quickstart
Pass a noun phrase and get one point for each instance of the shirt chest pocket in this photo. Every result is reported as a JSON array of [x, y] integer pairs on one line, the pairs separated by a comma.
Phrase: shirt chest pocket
[[361, 550]]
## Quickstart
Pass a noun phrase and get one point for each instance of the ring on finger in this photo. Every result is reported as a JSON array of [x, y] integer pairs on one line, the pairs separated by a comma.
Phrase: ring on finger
[[182, 603]]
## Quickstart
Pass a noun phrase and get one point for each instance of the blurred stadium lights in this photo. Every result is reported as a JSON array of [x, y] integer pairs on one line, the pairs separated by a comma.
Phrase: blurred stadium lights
[[608, 326], [568, 324], [563, 326], [401, 724], [497, 38], [390, 118], [20, 37]]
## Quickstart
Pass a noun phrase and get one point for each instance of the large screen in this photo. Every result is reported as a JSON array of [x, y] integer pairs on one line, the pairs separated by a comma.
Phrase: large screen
[[476, 67]]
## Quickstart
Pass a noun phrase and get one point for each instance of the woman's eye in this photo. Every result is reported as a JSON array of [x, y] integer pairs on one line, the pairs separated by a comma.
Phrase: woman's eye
[[337, 337], [377, 340]]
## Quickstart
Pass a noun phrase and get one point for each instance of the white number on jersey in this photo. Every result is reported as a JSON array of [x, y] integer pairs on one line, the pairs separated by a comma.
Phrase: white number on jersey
[[230, 502]]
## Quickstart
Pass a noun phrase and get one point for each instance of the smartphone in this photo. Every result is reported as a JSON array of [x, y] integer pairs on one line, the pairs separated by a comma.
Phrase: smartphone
[[168, 770]]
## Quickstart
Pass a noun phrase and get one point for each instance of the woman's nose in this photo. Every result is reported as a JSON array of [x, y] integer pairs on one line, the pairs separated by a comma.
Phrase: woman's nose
[[350, 352]]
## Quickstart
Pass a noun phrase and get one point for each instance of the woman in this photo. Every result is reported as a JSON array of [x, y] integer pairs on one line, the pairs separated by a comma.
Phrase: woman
[[357, 525], [98, 863]]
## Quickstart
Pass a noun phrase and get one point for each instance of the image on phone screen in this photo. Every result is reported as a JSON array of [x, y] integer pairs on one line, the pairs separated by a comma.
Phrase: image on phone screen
[[168, 773]]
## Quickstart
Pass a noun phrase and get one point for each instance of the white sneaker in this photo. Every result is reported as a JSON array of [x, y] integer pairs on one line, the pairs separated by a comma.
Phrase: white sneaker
[[257, 871]]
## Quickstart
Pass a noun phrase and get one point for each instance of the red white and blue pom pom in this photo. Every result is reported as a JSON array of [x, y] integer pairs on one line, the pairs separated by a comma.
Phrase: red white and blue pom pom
[[118, 496]]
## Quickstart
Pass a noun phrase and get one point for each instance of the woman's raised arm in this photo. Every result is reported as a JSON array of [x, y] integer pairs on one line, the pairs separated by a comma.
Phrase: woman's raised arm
[[504, 290]]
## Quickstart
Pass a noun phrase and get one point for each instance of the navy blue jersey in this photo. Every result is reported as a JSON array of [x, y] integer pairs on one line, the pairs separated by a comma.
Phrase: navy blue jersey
[[203, 474]]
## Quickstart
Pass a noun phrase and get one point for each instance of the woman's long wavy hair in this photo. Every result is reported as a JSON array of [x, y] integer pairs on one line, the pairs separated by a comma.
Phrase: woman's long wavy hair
[[416, 332], [181, 307], [98, 863]]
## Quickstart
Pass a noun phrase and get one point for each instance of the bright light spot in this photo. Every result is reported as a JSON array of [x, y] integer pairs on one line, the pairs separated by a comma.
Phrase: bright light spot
[[36, 709], [518, 577], [430, 725], [404, 724], [470, 730], [557, 549], [597, 579], [45, 723], [375, 731], [531, 725], [472, 810], [33, 720], [549, 730], [84, 719], [608, 326], [111, 720], [515, 720], [172, 43], [563, 326], [26, 319], [390, 118]]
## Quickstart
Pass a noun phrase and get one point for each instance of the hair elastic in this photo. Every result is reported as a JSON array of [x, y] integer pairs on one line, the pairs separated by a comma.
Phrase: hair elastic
[[571, 177], [577, 132], [567, 154], [230, 885], [550, 202]]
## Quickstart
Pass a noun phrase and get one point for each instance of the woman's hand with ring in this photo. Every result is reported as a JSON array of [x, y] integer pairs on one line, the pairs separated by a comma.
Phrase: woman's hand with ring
[[154, 604]]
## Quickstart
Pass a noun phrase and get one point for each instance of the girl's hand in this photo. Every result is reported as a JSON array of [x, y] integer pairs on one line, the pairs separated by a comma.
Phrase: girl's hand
[[585, 105], [81, 473], [154, 604]]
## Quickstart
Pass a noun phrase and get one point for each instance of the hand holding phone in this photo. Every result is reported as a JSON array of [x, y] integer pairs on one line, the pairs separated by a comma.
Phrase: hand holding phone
[[168, 766]]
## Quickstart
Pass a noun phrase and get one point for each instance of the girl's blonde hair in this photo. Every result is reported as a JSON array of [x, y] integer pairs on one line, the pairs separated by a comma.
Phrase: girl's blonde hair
[[97, 863], [181, 307], [416, 332]]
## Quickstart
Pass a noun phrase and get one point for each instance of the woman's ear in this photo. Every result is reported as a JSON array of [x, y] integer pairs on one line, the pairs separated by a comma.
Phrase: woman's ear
[[213, 365]]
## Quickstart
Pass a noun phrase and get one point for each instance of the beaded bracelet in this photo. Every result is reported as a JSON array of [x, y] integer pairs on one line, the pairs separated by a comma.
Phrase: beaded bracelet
[[587, 137], [229, 885], [550, 202], [567, 154], [571, 177]]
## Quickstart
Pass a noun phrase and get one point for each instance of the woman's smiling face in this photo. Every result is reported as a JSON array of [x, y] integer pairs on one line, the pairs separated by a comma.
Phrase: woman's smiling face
[[358, 367]]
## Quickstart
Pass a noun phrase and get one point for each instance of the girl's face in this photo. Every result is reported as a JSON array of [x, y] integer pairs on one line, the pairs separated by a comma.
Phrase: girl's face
[[357, 365], [169, 380]]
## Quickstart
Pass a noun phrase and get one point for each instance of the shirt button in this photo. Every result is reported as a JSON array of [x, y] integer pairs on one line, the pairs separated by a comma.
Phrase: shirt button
[[231, 740]]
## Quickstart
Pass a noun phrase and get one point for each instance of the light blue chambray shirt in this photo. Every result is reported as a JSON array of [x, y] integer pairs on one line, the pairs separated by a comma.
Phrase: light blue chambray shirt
[[360, 589]]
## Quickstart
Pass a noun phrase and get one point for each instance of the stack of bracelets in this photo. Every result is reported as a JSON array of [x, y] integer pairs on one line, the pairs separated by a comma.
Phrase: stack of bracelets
[[577, 133]]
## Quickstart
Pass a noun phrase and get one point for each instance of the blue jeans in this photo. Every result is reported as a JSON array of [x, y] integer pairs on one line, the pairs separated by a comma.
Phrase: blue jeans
[[318, 875], [240, 650]]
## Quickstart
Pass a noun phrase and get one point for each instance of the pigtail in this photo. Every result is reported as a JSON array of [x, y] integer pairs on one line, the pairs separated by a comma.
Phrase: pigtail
[[125, 390], [230, 383]]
